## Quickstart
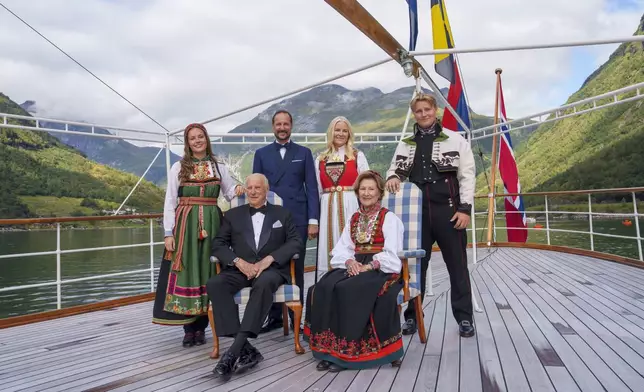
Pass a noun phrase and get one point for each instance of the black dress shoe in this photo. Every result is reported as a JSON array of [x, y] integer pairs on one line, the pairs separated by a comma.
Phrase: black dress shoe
[[323, 365], [224, 368], [188, 339], [200, 338], [249, 358], [409, 328], [271, 324], [334, 368], [466, 329]]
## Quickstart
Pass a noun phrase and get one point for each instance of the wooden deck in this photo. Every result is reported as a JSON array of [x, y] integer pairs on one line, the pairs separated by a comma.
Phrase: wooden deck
[[550, 321]]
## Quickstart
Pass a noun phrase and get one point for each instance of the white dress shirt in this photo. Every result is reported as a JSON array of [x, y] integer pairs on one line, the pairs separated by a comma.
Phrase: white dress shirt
[[283, 149], [258, 223]]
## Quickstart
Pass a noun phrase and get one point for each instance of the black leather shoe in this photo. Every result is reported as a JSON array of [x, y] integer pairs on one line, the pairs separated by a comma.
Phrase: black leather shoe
[[409, 328], [466, 329], [200, 338], [224, 368], [188, 339], [335, 368], [248, 359], [323, 365], [271, 324]]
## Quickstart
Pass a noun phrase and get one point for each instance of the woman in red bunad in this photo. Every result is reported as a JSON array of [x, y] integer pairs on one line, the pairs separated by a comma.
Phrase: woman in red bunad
[[352, 319], [338, 167]]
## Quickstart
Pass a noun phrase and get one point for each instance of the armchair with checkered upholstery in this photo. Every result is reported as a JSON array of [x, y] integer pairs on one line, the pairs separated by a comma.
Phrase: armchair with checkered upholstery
[[406, 204], [287, 294]]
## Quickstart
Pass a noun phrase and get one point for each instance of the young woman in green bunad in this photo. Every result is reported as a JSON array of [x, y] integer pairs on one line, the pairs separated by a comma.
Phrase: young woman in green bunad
[[191, 220]]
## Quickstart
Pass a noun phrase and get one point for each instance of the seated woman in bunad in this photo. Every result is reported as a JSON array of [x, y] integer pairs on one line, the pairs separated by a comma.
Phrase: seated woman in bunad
[[337, 170], [352, 319], [191, 220]]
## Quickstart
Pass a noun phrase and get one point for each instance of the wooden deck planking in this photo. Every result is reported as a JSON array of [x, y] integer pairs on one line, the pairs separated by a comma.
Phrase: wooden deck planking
[[99, 371], [63, 364], [514, 375], [550, 321], [534, 349], [595, 286], [449, 367], [342, 381], [322, 383], [202, 374], [406, 377], [609, 280], [158, 379], [85, 347], [614, 277], [288, 368], [582, 346], [602, 361], [546, 320], [603, 342], [604, 307]]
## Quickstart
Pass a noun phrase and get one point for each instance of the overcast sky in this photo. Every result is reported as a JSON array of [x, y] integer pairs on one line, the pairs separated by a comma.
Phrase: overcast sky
[[185, 61]]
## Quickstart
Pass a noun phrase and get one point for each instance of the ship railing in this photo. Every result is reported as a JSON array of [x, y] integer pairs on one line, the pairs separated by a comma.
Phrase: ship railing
[[544, 219], [547, 216], [59, 251]]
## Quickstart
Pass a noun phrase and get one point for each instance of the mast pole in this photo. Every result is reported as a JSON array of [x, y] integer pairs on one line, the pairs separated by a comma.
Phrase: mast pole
[[490, 216]]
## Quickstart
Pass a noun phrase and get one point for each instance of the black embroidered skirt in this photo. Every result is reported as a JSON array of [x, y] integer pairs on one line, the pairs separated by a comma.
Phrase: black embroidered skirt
[[353, 321]]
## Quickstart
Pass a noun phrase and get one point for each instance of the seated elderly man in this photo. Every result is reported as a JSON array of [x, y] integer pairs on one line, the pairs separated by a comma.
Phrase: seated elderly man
[[255, 244]]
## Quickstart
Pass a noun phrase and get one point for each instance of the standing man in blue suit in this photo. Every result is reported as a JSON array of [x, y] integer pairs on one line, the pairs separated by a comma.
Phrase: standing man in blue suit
[[290, 170]]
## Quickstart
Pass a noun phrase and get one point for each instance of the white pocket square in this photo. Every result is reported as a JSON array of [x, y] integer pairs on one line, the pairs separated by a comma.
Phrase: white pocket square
[[277, 225], [297, 160]]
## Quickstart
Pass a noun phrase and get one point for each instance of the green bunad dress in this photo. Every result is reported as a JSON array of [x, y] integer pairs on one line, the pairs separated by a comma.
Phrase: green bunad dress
[[192, 216]]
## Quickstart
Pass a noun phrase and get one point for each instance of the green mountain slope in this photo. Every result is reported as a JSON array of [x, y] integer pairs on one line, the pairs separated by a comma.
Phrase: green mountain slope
[[600, 149], [36, 165]]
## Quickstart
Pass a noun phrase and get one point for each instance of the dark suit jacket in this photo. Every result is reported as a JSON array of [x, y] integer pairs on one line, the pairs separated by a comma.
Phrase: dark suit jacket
[[279, 238], [292, 178]]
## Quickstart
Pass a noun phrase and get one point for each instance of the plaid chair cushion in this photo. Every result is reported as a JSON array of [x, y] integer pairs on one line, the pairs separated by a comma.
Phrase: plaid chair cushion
[[406, 204], [412, 254], [284, 293], [413, 293]]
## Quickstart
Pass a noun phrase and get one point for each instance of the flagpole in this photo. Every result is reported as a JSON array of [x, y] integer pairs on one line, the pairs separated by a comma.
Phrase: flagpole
[[490, 208]]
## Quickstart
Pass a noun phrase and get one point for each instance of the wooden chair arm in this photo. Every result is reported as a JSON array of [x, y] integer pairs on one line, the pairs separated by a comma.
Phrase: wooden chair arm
[[293, 259], [405, 275], [215, 260]]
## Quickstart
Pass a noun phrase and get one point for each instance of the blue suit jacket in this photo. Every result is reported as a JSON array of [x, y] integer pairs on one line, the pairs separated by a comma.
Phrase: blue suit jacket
[[292, 178]]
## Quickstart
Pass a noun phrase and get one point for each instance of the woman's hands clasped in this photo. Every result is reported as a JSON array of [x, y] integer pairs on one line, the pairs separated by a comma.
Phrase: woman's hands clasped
[[353, 267]]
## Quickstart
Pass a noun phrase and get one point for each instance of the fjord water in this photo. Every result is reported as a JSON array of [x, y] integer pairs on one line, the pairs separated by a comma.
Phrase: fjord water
[[40, 269]]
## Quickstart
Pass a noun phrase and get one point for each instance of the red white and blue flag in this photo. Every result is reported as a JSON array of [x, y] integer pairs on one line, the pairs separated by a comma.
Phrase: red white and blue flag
[[447, 67], [515, 216]]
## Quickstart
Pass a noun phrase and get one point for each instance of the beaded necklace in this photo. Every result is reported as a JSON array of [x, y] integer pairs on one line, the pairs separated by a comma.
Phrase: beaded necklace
[[366, 224]]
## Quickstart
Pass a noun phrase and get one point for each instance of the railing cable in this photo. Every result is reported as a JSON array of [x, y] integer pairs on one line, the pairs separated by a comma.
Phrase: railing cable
[[83, 67]]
